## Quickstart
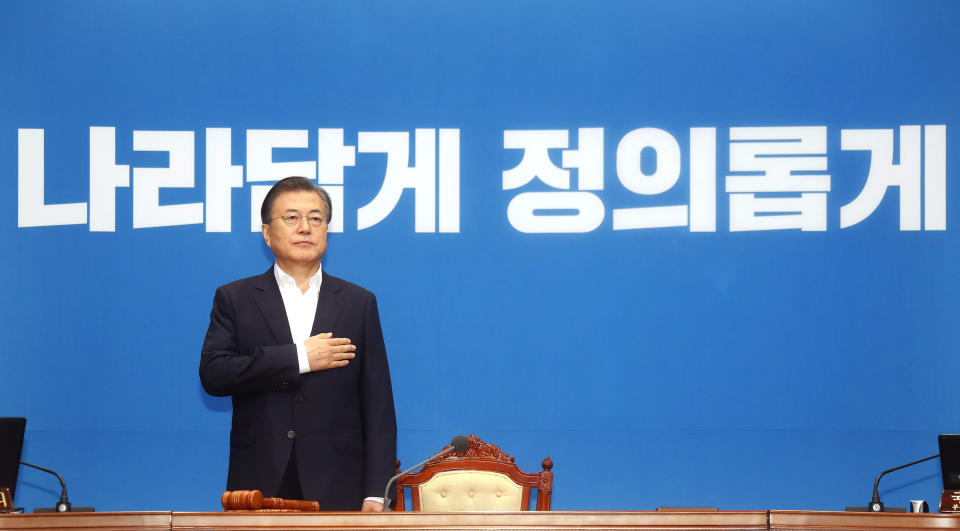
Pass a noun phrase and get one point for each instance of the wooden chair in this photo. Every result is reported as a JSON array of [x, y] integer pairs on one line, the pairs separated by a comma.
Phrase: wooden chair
[[482, 478]]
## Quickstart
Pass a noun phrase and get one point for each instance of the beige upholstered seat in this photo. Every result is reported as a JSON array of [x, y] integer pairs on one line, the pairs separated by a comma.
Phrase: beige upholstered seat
[[470, 490], [482, 478]]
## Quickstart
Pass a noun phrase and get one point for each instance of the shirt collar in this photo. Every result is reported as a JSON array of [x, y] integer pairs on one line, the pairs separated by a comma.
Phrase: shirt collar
[[283, 279]]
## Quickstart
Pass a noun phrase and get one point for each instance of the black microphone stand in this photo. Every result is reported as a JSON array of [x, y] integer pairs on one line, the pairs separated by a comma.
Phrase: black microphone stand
[[875, 505], [63, 506], [458, 444], [386, 491]]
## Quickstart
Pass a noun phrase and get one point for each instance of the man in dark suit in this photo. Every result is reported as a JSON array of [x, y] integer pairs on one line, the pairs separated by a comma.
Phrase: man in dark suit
[[301, 354]]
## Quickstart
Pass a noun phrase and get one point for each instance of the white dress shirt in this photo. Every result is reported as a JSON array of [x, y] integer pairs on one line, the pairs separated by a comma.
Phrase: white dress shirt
[[301, 308]]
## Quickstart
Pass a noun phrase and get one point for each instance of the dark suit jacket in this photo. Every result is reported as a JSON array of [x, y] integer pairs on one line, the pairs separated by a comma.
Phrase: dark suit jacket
[[341, 421]]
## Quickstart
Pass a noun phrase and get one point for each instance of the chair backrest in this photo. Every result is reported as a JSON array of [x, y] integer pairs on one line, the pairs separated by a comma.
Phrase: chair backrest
[[481, 478]]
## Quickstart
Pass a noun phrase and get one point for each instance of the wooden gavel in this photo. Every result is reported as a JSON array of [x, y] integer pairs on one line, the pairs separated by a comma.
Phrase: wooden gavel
[[253, 500]]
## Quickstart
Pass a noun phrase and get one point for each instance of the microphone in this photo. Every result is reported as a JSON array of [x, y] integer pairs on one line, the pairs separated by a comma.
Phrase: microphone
[[63, 506], [458, 444], [875, 505]]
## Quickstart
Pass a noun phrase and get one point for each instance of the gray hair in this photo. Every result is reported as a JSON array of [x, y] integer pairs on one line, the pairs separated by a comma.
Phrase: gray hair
[[293, 184]]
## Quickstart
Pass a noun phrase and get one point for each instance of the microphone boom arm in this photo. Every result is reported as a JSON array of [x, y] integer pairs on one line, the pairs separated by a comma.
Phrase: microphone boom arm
[[386, 491], [63, 505], [458, 444], [876, 494]]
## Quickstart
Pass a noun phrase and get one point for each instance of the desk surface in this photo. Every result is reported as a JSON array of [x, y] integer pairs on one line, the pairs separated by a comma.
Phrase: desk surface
[[809, 520], [705, 520]]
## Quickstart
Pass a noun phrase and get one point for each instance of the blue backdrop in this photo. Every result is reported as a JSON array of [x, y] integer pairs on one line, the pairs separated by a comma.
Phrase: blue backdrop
[[658, 359]]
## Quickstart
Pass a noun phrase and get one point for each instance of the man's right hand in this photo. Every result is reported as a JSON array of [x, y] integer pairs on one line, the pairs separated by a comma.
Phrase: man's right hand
[[327, 352]]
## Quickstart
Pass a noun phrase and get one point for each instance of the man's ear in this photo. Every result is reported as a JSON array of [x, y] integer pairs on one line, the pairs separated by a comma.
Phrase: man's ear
[[266, 234]]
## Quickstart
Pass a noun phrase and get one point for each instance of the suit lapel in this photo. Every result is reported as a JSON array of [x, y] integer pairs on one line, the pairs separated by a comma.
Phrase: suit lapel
[[329, 305], [271, 306]]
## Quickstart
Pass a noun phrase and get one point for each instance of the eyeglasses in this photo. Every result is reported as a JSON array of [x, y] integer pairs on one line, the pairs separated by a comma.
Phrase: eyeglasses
[[293, 220]]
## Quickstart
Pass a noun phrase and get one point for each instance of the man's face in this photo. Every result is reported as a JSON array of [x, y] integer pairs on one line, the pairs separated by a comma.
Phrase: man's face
[[301, 244]]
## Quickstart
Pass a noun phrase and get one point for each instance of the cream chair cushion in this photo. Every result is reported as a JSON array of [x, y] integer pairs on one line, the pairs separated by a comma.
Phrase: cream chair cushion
[[470, 490]]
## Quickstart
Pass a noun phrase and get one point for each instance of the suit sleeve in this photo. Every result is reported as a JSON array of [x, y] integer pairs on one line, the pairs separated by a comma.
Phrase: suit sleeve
[[226, 368], [380, 423]]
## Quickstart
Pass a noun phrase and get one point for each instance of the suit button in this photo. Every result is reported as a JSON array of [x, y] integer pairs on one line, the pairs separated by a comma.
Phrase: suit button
[[298, 398], [291, 434]]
